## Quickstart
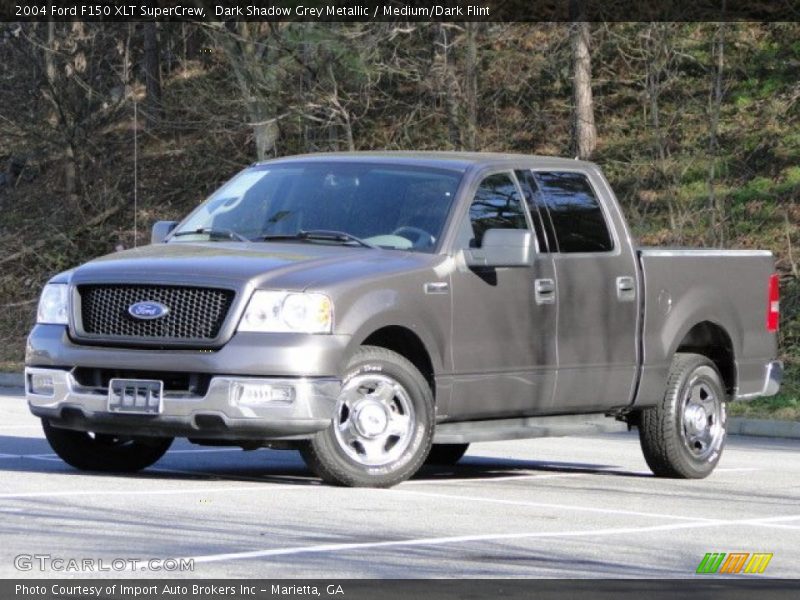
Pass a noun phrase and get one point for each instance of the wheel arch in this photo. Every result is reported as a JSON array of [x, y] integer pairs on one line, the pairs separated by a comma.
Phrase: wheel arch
[[712, 341], [407, 344]]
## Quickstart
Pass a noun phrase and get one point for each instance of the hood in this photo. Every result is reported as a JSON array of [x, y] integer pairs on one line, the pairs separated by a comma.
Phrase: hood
[[283, 265]]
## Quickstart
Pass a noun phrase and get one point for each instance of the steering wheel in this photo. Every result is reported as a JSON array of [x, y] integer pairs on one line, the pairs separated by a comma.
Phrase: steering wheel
[[419, 237]]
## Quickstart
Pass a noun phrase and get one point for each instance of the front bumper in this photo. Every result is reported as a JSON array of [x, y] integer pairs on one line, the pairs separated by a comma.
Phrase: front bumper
[[218, 415]]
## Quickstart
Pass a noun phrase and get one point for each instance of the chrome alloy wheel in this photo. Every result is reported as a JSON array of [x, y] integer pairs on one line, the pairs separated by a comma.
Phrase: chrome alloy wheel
[[702, 418], [374, 421]]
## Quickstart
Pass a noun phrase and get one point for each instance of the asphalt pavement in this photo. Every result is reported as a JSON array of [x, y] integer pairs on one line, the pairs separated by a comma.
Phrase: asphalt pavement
[[556, 507]]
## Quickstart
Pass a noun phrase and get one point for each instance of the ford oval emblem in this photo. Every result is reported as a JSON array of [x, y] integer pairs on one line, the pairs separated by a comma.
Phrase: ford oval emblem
[[147, 311]]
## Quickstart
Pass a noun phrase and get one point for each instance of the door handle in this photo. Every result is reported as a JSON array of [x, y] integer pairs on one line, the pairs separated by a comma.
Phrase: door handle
[[544, 291], [626, 289]]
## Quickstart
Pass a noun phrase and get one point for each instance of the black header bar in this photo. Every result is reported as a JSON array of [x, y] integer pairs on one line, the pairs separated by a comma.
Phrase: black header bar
[[707, 588], [400, 11]]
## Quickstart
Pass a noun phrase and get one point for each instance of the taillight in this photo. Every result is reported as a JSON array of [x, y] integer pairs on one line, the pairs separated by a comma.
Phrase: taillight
[[773, 307]]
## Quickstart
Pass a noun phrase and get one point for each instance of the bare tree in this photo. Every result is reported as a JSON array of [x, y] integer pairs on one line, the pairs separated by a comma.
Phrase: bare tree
[[246, 45], [60, 118], [447, 82], [716, 204], [659, 55], [471, 87], [584, 133], [152, 70]]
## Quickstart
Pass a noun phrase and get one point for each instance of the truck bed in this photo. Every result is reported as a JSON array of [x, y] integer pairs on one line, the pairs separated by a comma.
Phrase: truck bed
[[691, 293]]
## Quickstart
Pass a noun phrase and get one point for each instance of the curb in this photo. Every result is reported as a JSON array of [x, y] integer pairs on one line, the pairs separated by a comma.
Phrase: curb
[[764, 428], [12, 380]]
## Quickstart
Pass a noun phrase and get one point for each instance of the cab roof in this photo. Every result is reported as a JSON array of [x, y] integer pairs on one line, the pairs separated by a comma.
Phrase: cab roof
[[458, 161]]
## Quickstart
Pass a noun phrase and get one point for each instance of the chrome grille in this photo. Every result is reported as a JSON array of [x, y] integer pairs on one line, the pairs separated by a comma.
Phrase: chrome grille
[[194, 313]]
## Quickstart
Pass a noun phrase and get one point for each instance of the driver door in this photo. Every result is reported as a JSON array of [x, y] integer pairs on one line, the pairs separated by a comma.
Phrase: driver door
[[504, 338]]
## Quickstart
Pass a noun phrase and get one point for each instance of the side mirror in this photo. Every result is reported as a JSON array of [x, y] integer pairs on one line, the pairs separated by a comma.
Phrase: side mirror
[[161, 229], [502, 248]]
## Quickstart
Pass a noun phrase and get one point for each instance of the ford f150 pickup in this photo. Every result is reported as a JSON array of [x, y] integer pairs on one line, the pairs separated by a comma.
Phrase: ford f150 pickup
[[380, 310]]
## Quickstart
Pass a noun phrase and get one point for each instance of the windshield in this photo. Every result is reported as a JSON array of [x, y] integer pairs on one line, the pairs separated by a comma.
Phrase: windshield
[[390, 206]]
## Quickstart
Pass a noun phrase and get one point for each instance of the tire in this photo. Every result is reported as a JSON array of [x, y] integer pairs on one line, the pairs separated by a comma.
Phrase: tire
[[683, 436], [105, 453], [446, 454], [382, 426]]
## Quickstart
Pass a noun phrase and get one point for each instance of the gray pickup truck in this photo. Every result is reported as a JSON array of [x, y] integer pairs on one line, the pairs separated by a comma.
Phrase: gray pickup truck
[[380, 310]]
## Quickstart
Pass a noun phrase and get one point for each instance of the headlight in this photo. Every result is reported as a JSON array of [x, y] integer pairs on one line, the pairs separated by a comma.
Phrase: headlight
[[54, 304], [276, 312]]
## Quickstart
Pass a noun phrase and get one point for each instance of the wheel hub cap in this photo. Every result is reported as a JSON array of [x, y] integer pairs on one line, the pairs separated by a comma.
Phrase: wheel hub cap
[[371, 419], [375, 419], [696, 419], [703, 418]]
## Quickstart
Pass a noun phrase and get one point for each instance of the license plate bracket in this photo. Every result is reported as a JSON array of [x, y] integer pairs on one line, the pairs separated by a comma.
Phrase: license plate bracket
[[136, 396]]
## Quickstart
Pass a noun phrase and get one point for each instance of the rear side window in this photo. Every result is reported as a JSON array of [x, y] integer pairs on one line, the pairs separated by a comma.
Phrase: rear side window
[[575, 212], [496, 206]]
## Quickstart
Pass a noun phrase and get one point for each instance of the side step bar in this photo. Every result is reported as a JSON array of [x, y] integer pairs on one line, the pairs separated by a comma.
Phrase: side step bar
[[526, 427]]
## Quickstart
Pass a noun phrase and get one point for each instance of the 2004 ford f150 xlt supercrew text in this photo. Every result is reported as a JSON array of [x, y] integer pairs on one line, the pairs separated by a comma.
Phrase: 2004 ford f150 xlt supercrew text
[[377, 310]]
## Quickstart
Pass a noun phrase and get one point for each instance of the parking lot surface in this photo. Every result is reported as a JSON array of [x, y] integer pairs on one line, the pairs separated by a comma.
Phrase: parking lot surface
[[556, 507]]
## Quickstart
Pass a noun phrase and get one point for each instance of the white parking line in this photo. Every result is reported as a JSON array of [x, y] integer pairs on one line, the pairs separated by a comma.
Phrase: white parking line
[[181, 490], [51, 456], [527, 474], [778, 525], [489, 479], [434, 541], [233, 477], [460, 539], [590, 509], [735, 470], [198, 450]]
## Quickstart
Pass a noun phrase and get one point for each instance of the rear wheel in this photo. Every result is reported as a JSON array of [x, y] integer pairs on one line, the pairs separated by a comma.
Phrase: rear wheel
[[382, 426], [102, 452], [446, 454], [684, 435]]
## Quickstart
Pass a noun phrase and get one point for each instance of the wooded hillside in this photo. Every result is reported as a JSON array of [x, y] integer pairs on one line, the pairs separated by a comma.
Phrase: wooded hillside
[[696, 124]]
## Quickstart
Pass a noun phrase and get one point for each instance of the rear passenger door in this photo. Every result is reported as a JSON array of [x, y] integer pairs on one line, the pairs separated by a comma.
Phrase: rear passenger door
[[597, 289]]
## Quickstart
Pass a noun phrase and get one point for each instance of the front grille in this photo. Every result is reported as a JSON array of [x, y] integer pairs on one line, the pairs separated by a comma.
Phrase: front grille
[[195, 313], [191, 383]]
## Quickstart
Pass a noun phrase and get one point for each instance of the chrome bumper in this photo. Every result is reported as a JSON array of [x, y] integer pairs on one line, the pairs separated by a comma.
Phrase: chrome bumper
[[773, 375], [219, 414]]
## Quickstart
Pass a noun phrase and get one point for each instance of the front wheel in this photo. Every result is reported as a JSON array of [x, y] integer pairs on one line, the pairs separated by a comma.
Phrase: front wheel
[[683, 436], [382, 426], [102, 452]]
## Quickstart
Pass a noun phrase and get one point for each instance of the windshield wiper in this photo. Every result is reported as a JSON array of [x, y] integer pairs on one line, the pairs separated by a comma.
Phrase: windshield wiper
[[211, 232], [318, 234]]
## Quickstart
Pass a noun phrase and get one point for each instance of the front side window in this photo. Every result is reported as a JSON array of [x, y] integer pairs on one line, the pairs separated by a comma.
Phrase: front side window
[[575, 212], [496, 205], [392, 206]]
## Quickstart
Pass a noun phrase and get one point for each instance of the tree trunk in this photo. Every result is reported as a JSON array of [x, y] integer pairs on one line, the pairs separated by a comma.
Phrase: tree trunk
[[472, 86], [447, 85], [246, 50], [126, 61], [716, 204], [584, 134], [58, 120], [152, 71]]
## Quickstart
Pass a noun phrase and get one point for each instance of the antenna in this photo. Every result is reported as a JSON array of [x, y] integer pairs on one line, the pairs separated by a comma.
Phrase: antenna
[[135, 172]]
